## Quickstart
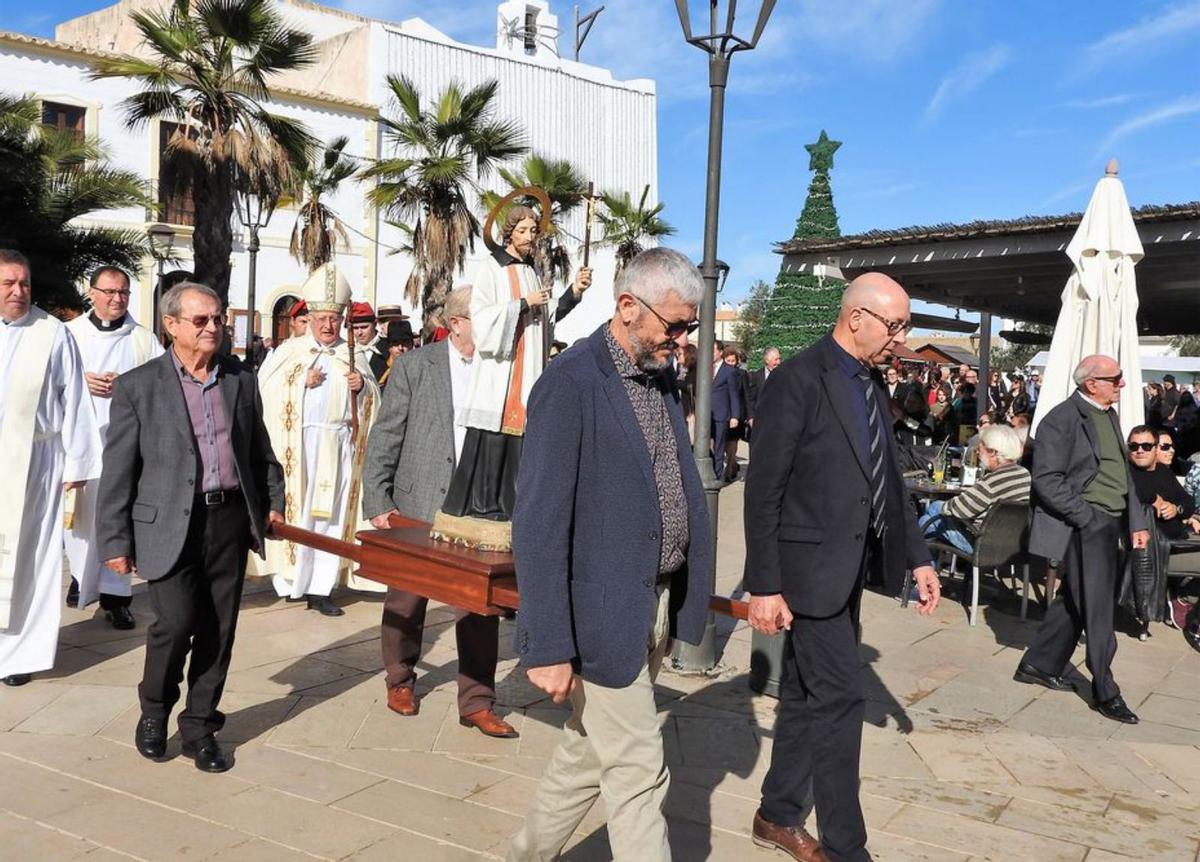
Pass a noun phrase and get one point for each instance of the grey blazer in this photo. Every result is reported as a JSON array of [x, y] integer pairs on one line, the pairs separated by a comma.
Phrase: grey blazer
[[410, 452], [147, 485], [1065, 458]]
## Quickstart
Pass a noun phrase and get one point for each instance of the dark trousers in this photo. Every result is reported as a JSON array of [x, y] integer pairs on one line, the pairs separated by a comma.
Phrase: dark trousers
[[108, 601], [818, 733], [1085, 603], [720, 434], [478, 639], [196, 608]]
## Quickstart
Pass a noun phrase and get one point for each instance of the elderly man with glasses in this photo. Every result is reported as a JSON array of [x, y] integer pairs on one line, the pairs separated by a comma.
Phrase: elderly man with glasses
[[1086, 506]]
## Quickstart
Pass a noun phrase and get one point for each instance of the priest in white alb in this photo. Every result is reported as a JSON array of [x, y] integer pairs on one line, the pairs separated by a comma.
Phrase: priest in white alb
[[312, 401], [50, 441], [110, 343]]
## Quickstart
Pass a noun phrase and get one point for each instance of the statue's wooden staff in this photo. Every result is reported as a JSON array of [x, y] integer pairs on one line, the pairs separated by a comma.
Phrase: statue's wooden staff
[[545, 228], [353, 394], [587, 226]]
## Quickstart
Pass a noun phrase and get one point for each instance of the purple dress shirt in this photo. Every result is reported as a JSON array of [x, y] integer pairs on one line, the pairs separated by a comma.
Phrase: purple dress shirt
[[215, 470]]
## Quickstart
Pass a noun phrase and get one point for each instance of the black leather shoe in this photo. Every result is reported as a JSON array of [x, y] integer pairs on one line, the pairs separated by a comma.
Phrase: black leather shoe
[[1029, 674], [208, 755], [1116, 709], [17, 679], [151, 737], [324, 605], [121, 618], [73, 594]]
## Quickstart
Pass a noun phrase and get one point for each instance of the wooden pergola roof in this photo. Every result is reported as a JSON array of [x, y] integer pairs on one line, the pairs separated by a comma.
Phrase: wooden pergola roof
[[1018, 268]]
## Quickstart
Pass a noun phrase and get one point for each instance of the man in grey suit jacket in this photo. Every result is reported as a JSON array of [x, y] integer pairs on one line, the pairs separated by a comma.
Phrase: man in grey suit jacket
[[188, 487], [1084, 501], [411, 453]]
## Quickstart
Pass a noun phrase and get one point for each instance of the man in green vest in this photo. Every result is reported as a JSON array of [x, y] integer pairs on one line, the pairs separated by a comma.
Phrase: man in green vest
[[1085, 508]]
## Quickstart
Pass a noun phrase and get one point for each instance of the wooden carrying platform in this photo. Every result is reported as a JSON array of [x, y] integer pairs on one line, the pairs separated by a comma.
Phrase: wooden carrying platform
[[404, 557]]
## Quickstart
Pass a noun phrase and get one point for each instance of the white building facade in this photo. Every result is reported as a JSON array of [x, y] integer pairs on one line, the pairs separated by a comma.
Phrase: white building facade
[[569, 110]]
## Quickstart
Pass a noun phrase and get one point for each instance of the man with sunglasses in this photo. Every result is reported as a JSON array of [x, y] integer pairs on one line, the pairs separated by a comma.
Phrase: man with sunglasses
[[189, 486], [110, 343], [825, 509], [1086, 506]]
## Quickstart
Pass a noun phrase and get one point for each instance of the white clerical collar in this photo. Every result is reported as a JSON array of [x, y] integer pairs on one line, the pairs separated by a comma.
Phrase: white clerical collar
[[316, 345], [20, 321], [454, 353]]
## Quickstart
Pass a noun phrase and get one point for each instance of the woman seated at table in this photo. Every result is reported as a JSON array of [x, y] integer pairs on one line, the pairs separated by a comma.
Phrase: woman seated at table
[[958, 521]]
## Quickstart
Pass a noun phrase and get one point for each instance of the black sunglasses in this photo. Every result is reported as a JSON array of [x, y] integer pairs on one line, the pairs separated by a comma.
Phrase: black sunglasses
[[1166, 447], [1145, 447], [673, 328], [1113, 379]]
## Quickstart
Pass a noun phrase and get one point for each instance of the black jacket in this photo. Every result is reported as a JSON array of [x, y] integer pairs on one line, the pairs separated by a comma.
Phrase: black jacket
[[807, 506]]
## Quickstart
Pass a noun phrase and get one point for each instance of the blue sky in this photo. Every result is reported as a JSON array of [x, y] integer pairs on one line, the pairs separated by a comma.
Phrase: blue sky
[[948, 111]]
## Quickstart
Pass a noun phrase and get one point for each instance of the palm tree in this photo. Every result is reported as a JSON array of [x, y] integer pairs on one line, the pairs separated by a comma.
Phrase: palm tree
[[563, 183], [626, 226], [209, 72], [318, 229], [49, 178], [442, 154]]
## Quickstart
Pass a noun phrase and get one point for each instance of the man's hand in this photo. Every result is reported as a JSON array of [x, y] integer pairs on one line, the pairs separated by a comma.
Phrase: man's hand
[[1141, 539], [557, 680], [583, 280], [273, 518], [537, 297], [100, 385], [355, 380], [769, 614], [72, 486], [929, 589], [733, 423], [120, 565], [381, 522], [315, 378]]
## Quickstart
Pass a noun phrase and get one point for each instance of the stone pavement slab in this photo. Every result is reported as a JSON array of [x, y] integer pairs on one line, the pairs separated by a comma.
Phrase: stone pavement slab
[[958, 761]]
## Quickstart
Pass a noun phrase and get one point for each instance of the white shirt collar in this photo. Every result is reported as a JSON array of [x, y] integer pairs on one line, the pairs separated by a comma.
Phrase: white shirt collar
[[1093, 403], [454, 354]]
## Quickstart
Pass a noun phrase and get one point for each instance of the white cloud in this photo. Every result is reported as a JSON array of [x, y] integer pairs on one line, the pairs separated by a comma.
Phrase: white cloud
[[1101, 102], [1182, 107], [1144, 37], [882, 191], [888, 27], [972, 72]]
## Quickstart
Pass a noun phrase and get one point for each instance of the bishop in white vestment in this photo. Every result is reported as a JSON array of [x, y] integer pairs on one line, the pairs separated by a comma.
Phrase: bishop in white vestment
[[307, 390], [110, 343], [49, 438]]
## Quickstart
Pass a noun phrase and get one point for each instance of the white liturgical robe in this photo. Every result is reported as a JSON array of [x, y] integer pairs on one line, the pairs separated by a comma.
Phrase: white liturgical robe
[[118, 350], [49, 436]]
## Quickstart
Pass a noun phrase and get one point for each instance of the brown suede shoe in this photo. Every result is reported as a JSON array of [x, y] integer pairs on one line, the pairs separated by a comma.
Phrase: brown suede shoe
[[489, 724], [401, 700], [793, 840]]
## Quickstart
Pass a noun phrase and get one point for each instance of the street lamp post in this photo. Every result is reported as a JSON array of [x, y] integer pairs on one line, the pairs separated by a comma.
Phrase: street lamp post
[[162, 239], [720, 44], [255, 203]]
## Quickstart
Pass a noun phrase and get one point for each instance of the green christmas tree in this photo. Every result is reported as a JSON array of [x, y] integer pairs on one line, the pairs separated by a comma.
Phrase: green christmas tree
[[802, 308]]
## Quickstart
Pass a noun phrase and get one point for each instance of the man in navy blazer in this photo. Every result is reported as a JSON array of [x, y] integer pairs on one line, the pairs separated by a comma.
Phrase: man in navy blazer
[[726, 406], [613, 554], [825, 506]]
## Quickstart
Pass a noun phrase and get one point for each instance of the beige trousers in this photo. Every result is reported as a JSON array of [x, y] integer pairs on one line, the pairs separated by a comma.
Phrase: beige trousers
[[612, 747]]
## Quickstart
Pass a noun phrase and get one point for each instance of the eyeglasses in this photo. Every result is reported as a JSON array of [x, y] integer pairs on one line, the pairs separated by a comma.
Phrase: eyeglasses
[[1114, 379], [111, 292], [1145, 447], [1166, 447], [894, 327], [674, 328], [201, 321]]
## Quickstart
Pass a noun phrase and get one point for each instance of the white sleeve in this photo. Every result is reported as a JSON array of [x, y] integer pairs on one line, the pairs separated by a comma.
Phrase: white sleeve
[[80, 430]]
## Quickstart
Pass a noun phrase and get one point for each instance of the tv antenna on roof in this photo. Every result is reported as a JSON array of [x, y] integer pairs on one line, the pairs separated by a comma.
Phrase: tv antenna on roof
[[583, 26]]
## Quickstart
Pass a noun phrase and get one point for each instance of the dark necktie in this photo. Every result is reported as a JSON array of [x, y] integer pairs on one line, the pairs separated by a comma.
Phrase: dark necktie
[[878, 476]]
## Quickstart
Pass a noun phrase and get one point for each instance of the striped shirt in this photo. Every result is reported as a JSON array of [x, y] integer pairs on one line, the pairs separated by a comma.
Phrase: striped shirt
[[1006, 484]]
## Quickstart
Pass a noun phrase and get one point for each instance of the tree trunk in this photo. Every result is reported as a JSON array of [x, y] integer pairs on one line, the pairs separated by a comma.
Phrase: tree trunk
[[212, 241]]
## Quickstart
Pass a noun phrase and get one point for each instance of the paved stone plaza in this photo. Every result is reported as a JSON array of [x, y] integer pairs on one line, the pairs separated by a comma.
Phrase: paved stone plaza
[[959, 762]]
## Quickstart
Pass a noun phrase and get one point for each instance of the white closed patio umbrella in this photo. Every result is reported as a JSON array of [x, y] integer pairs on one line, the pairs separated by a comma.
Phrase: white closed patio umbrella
[[1099, 303]]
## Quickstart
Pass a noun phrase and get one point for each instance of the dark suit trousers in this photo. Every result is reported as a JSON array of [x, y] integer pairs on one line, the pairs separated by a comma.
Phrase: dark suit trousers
[[818, 733], [196, 607], [1085, 603], [720, 434], [477, 637]]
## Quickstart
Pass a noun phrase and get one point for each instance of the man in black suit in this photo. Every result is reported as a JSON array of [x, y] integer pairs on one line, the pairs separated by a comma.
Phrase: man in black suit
[[189, 486], [758, 379], [825, 506], [1085, 500], [726, 406]]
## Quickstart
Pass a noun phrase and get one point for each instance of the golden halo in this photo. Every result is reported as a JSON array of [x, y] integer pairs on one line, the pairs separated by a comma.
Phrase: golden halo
[[545, 226]]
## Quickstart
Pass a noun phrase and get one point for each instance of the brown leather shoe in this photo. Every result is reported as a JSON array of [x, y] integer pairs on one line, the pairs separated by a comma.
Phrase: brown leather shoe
[[401, 700], [489, 724], [793, 840]]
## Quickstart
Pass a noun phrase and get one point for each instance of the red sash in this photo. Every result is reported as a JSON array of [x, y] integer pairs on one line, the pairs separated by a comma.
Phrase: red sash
[[513, 421]]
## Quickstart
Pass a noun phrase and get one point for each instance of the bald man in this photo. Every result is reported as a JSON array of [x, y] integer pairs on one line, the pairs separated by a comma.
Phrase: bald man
[[1085, 502], [825, 507]]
